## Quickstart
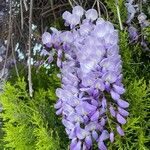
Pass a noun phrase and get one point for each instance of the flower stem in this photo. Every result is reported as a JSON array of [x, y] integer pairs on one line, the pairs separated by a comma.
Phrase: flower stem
[[119, 17]]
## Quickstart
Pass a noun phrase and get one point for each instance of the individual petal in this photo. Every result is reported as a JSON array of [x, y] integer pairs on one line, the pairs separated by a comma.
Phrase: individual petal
[[112, 111], [104, 135], [78, 146], [54, 30], [59, 62], [133, 33], [114, 95], [142, 17], [66, 15], [81, 110], [88, 107], [102, 111], [110, 77], [100, 85], [111, 137], [92, 126], [88, 141], [87, 65], [59, 92], [103, 121], [120, 131], [100, 51], [131, 12], [46, 38], [113, 51], [50, 59], [123, 112], [74, 117], [100, 21], [86, 119], [64, 95], [59, 53], [118, 89], [101, 145], [78, 10], [94, 102], [66, 36], [104, 102], [111, 39], [123, 103], [73, 143], [88, 81], [45, 53], [107, 86], [67, 131], [67, 109], [91, 14], [72, 133], [94, 135], [107, 64], [84, 147], [99, 32], [85, 29], [120, 119], [58, 104], [109, 27], [59, 111], [146, 23], [81, 133], [68, 124], [74, 20], [95, 93], [95, 116]]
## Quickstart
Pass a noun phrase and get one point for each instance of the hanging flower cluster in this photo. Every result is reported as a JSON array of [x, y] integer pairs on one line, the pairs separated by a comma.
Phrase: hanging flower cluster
[[135, 11], [90, 95]]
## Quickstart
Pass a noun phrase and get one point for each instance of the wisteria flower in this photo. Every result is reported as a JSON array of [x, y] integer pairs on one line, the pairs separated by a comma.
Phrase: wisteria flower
[[91, 14], [91, 79], [78, 10]]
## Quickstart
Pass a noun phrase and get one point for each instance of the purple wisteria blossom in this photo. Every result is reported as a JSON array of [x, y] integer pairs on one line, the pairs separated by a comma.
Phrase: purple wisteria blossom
[[136, 14], [91, 88], [133, 33], [131, 9]]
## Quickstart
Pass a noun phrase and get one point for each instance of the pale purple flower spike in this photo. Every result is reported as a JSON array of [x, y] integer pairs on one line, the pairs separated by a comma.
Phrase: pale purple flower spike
[[90, 71]]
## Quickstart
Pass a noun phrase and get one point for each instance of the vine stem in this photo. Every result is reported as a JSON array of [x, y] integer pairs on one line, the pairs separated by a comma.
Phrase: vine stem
[[76, 3], [119, 17], [25, 5], [94, 3], [70, 2], [98, 7], [29, 50], [8, 38], [13, 54], [21, 11]]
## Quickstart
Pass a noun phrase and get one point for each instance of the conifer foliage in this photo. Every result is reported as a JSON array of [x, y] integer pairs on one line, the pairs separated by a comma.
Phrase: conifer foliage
[[29, 123]]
